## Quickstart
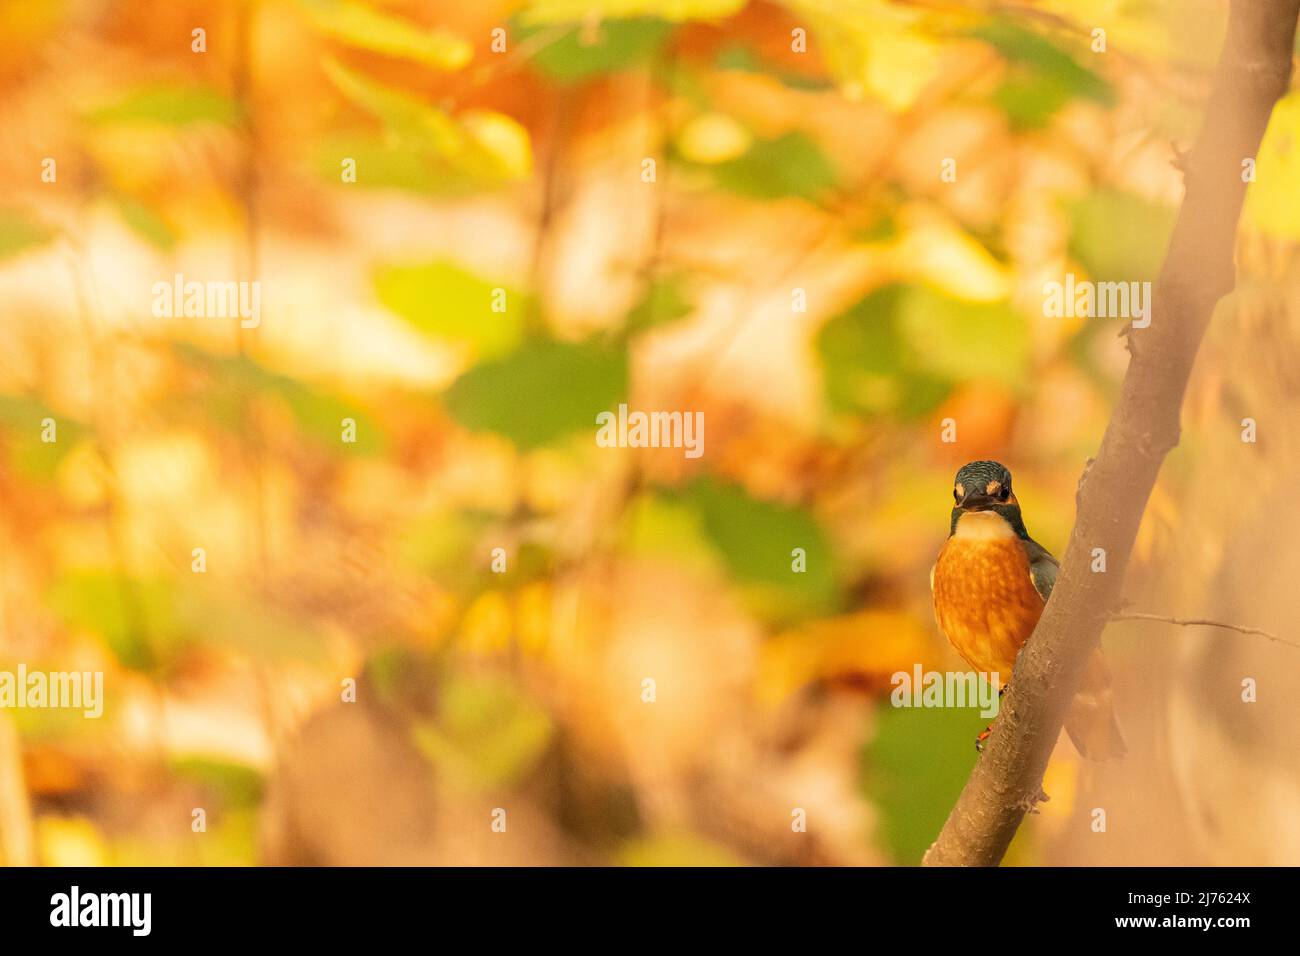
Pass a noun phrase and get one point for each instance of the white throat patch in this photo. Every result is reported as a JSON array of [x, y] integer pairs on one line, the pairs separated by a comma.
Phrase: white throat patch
[[983, 526]]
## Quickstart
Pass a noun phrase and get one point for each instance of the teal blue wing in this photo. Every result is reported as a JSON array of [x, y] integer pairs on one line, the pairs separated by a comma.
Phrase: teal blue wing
[[1043, 568]]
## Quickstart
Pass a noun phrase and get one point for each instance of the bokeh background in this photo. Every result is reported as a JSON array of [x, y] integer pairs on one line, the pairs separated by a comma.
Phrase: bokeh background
[[783, 175]]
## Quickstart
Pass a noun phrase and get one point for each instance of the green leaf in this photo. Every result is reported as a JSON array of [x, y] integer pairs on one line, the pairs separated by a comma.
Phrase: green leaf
[[478, 146], [1042, 78], [145, 222], [861, 353], [383, 166], [756, 538], [1029, 49], [1030, 100], [19, 233], [445, 301], [737, 56], [21, 419], [883, 228], [866, 335], [138, 619], [253, 627], [664, 526], [488, 733], [235, 784], [902, 348], [318, 412], [790, 165], [412, 120], [915, 767], [561, 11], [540, 392], [619, 45], [1120, 237], [169, 105], [665, 302], [358, 25], [961, 341], [440, 544]]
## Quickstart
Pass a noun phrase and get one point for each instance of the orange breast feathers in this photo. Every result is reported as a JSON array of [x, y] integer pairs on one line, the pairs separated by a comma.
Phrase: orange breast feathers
[[984, 598]]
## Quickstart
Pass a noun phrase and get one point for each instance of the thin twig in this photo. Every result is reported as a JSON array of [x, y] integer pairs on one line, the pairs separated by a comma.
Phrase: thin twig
[[1203, 622]]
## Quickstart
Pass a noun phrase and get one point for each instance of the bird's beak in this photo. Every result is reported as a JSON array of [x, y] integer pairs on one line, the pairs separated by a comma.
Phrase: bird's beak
[[975, 500]]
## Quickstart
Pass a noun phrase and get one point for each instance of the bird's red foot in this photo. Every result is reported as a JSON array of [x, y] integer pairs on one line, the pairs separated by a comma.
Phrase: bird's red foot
[[979, 741]]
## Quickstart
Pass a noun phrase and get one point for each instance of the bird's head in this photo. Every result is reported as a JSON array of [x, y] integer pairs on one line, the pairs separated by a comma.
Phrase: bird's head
[[982, 486], [985, 486]]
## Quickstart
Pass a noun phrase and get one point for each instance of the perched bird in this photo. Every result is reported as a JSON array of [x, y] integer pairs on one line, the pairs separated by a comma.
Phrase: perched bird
[[990, 584]]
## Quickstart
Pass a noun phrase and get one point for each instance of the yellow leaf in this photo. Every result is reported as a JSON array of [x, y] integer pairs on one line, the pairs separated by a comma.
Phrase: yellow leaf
[[712, 138], [863, 649], [488, 624], [1272, 201], [503, 139], [357, 25], [940, 253], [69, 841], [562, 11]]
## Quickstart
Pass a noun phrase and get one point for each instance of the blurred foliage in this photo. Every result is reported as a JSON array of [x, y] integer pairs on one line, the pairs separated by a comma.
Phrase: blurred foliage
[[498, 273], [488, 732], [360, 25], [1119, 237], [19, 232], [1272, 203], [165, 105], [904, 348], [1042, 77], [915, 794], [541, 392], [790, 165], [445, 301], [570, 57], [757, 539]]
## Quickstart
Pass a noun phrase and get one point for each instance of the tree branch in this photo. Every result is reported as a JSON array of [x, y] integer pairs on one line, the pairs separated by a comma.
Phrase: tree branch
[[1254, 71]]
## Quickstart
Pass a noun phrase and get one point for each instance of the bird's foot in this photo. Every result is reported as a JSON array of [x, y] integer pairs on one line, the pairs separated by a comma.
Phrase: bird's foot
[[979, 741]]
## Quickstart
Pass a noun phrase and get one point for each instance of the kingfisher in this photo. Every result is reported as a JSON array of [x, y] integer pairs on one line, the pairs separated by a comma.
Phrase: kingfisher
[[990, 584]]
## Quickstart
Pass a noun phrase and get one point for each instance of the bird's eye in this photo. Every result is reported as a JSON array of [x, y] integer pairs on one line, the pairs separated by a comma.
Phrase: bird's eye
[[955, 495], [1005, 493]]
